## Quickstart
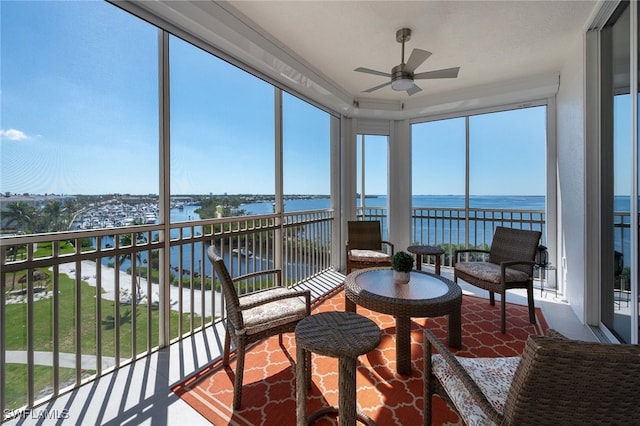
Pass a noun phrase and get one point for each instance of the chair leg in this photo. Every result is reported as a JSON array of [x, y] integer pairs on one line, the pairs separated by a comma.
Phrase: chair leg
[[492, 298], [503, 305], [227, 347], [427, 392], [237, 383], [532, 310]]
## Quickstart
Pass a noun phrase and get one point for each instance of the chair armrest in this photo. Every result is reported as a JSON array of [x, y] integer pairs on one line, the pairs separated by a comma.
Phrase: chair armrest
[[390, 246], [276, 272], [430, 340], [294, 294], [553, 333], [459, 251], [507, 263]]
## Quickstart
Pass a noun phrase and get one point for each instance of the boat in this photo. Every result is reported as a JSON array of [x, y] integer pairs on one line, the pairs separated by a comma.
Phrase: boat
[[150, 217], [242, 252]]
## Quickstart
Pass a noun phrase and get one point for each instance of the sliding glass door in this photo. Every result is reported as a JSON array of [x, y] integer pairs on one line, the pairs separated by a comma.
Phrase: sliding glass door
[[618, 253]]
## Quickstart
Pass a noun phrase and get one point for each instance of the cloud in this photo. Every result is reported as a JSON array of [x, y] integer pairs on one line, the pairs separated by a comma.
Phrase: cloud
[[13, 135]]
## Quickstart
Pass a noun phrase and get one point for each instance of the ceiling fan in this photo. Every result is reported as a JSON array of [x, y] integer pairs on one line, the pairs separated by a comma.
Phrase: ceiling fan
[[402, 76]]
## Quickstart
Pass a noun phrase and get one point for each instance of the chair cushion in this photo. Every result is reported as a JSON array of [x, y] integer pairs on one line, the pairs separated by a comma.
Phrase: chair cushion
[[493, 376], [369, 256], [490, 272], [271, 314]]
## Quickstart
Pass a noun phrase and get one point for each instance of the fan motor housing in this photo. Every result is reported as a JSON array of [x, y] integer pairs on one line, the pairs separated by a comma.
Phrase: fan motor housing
[[398, 72]]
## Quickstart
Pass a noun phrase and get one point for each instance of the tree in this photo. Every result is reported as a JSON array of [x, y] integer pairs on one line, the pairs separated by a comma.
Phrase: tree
[[56, 216], [20, 214], [126, 241]]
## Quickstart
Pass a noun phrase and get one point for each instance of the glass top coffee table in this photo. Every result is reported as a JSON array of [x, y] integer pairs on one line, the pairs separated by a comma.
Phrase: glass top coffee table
[[425, 295]]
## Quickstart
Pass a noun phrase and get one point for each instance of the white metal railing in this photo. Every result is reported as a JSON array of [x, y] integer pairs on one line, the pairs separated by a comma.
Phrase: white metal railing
[[92, 301], [87, 339], [622, 242], [452, 228]]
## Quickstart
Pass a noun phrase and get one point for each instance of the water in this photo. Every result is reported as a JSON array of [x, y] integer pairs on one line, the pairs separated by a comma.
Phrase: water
[[236, 265], [432, 228], [185, 214], [523, 202], [520, 202], [451, 201]]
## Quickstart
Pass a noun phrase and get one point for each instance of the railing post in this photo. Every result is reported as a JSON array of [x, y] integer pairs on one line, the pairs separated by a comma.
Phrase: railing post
[[164, 188], [3, 339]]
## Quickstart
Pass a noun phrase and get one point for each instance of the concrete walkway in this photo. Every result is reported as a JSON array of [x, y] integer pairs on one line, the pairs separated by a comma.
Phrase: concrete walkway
[[108, 285], [67, 360]]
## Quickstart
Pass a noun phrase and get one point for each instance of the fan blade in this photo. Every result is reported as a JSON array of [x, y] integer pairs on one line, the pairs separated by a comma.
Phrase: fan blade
[[444, 73], [374, 72], [418, 56], [380, 86], [415, 89]]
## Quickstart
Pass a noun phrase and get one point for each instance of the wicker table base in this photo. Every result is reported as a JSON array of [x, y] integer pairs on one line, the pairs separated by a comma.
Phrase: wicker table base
[[425, 295], [342, 335]]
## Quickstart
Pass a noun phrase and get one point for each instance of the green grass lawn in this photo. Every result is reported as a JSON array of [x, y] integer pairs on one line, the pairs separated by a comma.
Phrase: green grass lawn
[[16, 334]]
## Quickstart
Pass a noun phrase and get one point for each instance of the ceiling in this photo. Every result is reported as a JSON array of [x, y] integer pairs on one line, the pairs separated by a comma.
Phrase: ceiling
[[491, 41], [507, 51]]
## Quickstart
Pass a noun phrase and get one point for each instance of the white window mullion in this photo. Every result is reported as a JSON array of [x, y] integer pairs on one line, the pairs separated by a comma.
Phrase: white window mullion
[[164, 188], [633, 51], [279, 199]]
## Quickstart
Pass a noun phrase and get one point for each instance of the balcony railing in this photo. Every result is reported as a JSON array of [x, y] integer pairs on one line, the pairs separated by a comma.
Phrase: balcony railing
[[85, 321], [452, 228], [79, 304]]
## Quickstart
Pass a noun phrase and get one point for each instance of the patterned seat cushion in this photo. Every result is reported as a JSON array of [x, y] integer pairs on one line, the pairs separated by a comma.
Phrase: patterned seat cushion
[[371, 256], [488, 271], [271, 314], [493, 376]]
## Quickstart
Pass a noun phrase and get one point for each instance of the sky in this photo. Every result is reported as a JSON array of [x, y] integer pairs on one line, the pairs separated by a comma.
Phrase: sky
[[79, 115], [507, 153]]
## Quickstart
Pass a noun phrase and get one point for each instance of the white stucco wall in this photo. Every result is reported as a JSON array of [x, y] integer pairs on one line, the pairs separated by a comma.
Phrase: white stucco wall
[[399, 185], [571, 178]]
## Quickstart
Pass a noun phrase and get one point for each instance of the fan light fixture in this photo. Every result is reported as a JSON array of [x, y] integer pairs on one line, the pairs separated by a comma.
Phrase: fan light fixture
[[403, 83], [402, 76]]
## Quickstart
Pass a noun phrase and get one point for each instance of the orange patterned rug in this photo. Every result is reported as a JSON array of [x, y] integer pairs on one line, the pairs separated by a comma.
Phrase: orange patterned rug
[[268, 396]]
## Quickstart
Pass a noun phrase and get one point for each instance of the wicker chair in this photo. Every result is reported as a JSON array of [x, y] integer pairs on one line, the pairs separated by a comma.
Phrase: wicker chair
[[365, 245], [556, 381], [510, 265], [258, 315]]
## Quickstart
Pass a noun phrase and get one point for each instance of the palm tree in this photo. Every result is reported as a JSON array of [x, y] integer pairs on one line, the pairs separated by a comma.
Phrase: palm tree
[[54, 213], [126, 240], [70, 208], [21, 214]]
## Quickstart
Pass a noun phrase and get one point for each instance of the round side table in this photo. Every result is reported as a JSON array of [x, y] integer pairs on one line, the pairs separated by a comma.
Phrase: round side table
[[420, 251], [337, 334], [543, 270]]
